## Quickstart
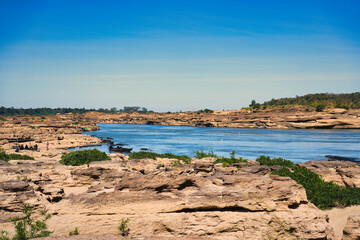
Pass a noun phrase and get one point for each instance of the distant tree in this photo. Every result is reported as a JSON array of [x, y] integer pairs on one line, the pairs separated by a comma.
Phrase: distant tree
[[253, 102], [256, 106], [206, 110]]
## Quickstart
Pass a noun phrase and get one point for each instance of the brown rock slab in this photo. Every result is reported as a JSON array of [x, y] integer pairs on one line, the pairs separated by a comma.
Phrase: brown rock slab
[[352, 228]]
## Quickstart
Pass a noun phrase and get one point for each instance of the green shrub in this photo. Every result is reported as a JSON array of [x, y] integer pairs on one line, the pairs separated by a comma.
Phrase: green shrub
[[324, 195], [4, 235], [344, 106], [227, 161], [267, 161], [75, 232], [320, 107], [81, 157], [28, 228], [206, 110], [2, 119], [142, 155], [3, 155], [13, 156], [201, 154], [256, 106], [123, 227]]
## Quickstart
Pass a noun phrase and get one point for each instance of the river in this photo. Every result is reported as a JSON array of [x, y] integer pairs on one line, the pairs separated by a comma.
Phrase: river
[[295, 145]]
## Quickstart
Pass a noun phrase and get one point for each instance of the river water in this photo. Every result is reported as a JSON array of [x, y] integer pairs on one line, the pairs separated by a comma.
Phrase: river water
[[295, 145]]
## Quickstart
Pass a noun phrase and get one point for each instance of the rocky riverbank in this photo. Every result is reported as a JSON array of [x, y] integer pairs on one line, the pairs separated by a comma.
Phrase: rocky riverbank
[[60, 131], [196, 201], [296, 118], [162, 201]]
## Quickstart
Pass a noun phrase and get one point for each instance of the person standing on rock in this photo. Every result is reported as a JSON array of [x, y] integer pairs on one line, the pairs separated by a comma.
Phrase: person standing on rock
[[47, 145]]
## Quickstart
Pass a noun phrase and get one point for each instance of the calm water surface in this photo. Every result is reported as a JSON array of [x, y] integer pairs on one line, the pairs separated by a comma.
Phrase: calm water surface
[[295, 145]]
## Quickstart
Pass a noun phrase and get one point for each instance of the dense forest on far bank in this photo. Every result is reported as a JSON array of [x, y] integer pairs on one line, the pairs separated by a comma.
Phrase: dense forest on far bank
[[52, 111], [318, 100]]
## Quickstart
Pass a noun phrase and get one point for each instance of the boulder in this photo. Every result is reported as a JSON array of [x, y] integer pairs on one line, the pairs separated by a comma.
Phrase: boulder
[[352, 229]]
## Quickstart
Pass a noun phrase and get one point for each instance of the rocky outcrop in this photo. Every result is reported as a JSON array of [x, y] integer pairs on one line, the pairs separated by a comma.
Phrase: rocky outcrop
[[196, 201], [296, 118], [14, 194], [343, 173], [352, 230], [61, 134]]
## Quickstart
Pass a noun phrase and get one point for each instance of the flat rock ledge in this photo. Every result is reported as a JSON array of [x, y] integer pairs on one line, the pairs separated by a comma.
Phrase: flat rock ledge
[[196, 201]]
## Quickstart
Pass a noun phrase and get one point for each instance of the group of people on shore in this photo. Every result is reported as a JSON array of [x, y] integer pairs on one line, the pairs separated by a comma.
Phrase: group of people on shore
[[26, 147], [31, 148]]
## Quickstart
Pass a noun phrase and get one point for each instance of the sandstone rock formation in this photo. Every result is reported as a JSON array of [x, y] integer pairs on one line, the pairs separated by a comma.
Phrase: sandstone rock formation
[[352, 230], [196, 201], [275, 118], [340, 172], [60, 133]]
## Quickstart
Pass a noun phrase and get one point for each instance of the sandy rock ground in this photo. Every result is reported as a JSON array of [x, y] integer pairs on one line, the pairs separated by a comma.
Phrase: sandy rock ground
[[296, 118], [61, 134], [199, 201], [161, 201]]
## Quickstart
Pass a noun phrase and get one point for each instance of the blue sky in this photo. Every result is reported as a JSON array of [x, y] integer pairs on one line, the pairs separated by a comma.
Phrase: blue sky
[[175, 55]]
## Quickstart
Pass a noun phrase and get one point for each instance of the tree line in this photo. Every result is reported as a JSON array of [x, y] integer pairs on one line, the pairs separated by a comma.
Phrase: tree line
[[5, 111], [344, 100]]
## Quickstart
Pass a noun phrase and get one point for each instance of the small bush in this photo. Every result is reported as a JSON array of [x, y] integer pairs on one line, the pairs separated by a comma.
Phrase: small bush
[[4, 235], [256, 106], [3, 155], [227, 161], [267, 161], [28, 228], [75, 232], [325, 195], [123, 227], [81, 157], [3, 119], [142, 155], [206, 110], [201, 154], [320, 107], [13, 156]]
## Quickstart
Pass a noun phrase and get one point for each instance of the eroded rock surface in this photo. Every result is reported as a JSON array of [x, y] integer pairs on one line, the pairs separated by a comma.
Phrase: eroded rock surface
[[296, 118], [352, 228], [196, 201], [343, 173]]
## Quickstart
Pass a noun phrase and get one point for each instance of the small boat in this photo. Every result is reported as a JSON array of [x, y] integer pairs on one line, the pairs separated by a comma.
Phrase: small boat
[[339, 158], [120, 149]]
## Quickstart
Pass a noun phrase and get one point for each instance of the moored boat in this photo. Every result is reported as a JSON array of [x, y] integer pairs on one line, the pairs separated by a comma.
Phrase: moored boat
[[339, 158], [120, 149]]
